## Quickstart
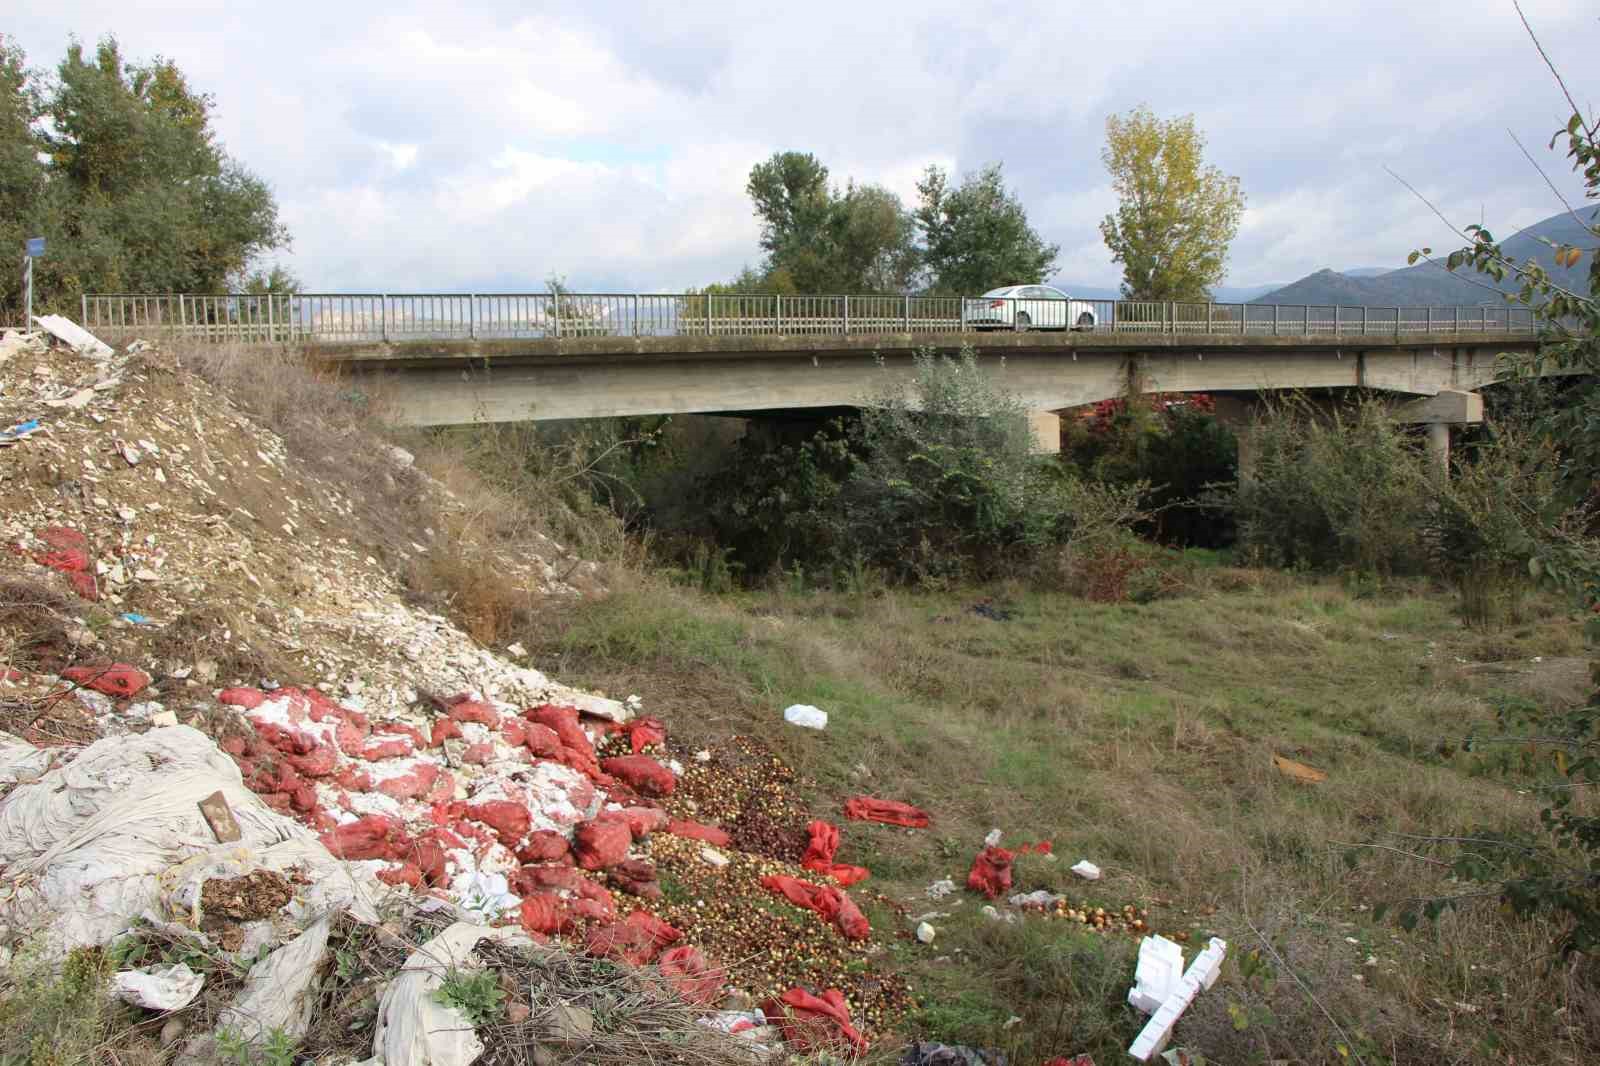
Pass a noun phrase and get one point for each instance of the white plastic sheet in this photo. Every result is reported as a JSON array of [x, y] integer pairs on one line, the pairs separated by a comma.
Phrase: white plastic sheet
[[280, 991], [806, 716], [158, 987], [117, 834], [414, 1028]]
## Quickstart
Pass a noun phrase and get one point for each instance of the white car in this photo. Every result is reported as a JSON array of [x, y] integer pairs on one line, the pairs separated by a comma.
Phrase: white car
[[1029, 307]]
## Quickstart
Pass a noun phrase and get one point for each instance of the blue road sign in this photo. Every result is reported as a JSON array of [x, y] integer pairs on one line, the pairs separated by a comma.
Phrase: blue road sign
[[35, 247]]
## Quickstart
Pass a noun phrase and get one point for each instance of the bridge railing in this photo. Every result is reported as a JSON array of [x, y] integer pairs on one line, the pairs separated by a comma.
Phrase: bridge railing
[[395, 317]]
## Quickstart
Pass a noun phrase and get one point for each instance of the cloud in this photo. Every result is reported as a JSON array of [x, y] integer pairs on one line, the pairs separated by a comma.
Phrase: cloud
[[494, 144]]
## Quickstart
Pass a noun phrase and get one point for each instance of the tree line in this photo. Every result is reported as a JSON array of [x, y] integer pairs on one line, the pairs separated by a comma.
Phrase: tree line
[[1176, 218], [117, 165]]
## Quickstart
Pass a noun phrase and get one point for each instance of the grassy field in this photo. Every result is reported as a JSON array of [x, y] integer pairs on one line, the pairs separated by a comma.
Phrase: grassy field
[[1141, 737]]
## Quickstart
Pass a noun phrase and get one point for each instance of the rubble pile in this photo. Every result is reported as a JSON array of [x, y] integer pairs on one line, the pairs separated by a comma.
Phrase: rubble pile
[[205, 594]]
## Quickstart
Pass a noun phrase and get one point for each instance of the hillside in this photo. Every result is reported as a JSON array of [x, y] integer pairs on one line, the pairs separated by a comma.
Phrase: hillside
[[1427, 284]]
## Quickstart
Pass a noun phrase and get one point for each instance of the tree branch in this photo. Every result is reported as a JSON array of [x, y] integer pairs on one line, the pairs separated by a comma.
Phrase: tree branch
[[1588, 128]]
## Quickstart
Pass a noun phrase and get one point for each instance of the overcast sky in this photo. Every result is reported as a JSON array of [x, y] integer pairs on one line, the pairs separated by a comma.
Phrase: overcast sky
[[484, 145]]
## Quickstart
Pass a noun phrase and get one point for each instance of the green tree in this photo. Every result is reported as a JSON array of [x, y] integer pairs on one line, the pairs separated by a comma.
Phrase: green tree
[[822, 240], [1177, 216], [976, 235], [22, 176], [138, 193]]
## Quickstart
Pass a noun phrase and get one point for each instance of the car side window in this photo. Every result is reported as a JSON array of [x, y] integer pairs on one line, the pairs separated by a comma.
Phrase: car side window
[[1034, 292]]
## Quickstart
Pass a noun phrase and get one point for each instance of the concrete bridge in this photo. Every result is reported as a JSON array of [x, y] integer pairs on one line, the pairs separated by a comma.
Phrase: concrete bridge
[[445, 360]]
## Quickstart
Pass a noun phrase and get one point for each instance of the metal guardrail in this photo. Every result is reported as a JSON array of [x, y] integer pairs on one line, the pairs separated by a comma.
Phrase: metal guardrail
[[357, 317]]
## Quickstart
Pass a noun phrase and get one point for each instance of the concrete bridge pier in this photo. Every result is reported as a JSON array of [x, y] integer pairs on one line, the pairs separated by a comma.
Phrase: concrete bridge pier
[[1046, 429]]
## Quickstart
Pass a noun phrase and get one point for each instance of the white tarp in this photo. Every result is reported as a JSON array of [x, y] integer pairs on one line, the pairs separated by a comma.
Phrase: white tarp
[[414, 1028], [73, 336], [117, 834], [158, 987], [280, 991]]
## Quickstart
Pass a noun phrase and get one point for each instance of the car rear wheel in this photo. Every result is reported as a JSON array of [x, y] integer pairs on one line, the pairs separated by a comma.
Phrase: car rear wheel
[[1085, 321], [1023, 320]]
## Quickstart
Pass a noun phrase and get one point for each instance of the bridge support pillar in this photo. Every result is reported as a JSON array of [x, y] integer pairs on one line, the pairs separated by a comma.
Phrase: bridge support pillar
[[1439, 447], [1046, 429]]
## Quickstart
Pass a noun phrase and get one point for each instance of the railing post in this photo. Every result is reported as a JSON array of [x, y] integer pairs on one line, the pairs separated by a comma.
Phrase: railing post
[[183, 316], [1430, 318], [1210, 309], [908, 314], [1274, 320], [777, 314], [962, 304], [635, 314], [383, 317], [555, 311], [472, 315], [1363, 320], [1458, 318], [83, 311], [847, 316], [1397, 323]]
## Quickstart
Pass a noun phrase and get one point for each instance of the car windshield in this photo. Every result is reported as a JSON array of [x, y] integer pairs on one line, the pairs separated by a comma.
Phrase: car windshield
[[1006, 291]]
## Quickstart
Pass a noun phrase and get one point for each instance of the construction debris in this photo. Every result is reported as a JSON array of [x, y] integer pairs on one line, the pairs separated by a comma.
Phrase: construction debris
[[74, 336]]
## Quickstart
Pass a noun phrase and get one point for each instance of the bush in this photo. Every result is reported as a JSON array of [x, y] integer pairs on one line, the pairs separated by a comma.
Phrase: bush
[[1487, 520], [948, 482], [1175, 443], [1344, 489]]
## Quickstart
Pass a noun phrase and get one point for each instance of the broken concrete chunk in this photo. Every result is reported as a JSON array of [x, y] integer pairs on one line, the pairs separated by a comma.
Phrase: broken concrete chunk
[[73, 336]]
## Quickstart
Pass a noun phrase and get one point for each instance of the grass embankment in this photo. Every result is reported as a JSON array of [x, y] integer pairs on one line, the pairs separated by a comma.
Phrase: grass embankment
[[1141, 737]]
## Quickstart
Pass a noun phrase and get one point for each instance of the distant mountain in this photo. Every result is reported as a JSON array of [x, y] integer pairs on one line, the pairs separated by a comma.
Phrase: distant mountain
[[1430, 285], [1366, 272]]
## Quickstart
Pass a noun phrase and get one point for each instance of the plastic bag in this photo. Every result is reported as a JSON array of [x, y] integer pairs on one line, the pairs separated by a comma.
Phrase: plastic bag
[[889, 812], [991, 872], [832, 904], [711, 834], [814, 1023], [641, 773], [696, 980], [820, 851], [158, 988]]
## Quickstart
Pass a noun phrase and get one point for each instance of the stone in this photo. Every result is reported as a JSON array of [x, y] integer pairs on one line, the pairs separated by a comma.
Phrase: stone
[[569, 1025]]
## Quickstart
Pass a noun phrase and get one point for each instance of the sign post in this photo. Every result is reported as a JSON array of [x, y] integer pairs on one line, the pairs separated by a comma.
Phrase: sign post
[[35, 248]]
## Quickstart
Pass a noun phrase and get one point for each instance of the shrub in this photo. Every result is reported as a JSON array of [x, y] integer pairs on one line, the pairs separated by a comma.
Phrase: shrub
[[1172, 441], [1487, 520], [1347, 488], [948, 481]]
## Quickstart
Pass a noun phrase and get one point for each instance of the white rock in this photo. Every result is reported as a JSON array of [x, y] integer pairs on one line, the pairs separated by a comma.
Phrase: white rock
[[516, 649], [702, 756], [806, 716]]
